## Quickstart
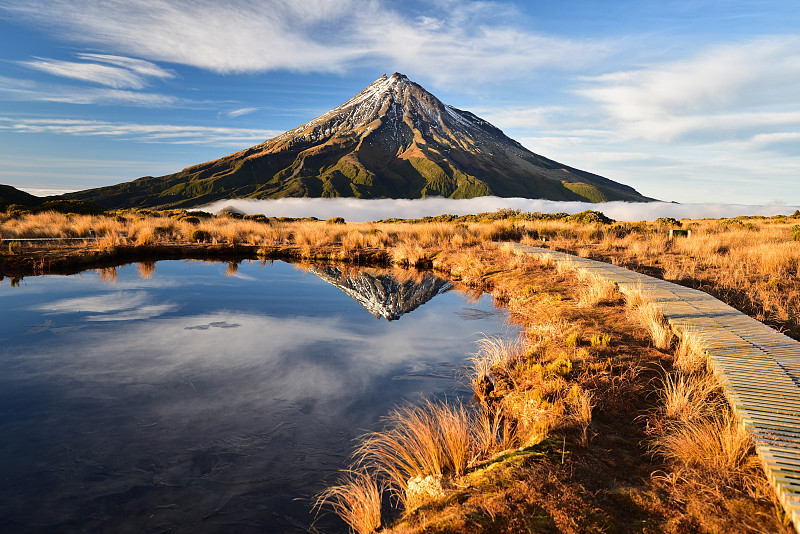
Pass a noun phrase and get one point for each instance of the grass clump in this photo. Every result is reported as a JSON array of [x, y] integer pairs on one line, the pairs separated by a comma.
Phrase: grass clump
[[690, 356], [356, 499], [648, 315], [431, 439], [717, 445], [200, 236], [687, 398]]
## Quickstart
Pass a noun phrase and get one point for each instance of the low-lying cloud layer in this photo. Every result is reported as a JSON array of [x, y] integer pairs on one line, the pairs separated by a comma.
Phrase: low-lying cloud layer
[[358, 210]]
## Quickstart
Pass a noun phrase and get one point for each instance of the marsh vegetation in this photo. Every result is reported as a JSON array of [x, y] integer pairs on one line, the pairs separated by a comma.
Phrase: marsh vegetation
[[597, 419]]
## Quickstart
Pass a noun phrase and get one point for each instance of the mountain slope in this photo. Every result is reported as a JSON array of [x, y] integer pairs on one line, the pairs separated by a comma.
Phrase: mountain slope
[[393, 139]]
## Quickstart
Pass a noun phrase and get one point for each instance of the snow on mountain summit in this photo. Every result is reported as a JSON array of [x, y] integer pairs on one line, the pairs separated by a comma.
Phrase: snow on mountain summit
[[392, 139]]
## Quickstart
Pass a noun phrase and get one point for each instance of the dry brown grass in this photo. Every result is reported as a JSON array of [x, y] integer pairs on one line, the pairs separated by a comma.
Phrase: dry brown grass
[[596, 290], [495, 355], [356, 499], [690, 356], [581, 406], [716, 445], [648, 315], [689, 398], [753, 264], [430, 439]]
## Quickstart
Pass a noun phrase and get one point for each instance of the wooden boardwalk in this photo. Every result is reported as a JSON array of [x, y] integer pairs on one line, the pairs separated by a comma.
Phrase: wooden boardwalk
[[758, 367]]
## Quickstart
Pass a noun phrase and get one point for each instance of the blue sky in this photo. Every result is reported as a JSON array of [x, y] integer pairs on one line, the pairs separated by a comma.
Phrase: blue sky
[[691, 101]]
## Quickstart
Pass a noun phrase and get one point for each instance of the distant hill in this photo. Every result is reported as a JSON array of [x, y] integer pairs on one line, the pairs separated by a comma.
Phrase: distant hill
[[11, 195], [392, 140]]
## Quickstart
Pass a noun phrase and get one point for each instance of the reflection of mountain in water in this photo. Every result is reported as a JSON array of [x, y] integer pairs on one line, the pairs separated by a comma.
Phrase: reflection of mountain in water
[[383, 293]]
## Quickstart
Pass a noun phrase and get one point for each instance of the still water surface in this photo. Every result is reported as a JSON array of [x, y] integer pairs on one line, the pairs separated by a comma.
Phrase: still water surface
[[195, 397]]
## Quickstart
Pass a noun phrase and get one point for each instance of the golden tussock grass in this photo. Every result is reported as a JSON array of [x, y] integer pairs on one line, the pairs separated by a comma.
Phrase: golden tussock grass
[[580, 401], [690, 356], [718, 446], [596, 290], [653, 321], [356, 499], [689, 398], [495, 354], [433, 438]]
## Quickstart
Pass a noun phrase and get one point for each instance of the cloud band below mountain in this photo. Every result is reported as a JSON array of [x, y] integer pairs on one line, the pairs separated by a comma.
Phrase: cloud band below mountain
[[355, 209]]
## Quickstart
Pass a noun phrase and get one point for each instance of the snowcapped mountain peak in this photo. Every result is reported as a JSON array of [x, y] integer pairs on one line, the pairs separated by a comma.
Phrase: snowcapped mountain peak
[[392, 139], [397, 106]]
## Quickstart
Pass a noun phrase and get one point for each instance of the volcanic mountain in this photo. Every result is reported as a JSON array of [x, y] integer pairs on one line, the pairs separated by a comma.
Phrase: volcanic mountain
[[392, 140], [384, 294]]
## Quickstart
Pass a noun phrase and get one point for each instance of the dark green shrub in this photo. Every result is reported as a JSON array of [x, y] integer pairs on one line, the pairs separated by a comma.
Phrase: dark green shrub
[[796, 232], [69, 206], [257, 217], [445, 217], [119, 218], [15, 210], [200, 236], [668, 221], [190, 219], [335, 220], [200, 214], [588, 217]]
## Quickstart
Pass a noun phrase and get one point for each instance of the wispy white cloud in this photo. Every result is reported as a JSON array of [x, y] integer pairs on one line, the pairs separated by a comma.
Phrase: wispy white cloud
[[112, 71], [355, 209], [739, 89], [139, 66], [455, 41], [27, 90], [161, 133], [240, 112]]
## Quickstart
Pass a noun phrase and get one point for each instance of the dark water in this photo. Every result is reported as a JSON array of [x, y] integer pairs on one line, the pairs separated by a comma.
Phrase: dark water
[[191, 399]]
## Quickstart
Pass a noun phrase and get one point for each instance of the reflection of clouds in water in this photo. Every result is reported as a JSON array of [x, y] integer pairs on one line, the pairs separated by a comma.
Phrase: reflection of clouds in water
[[240, 276], [116, 306], [474, 314], [109, 302], [278, 354], [36, 328], [215, 324], [290, 357], [142, 312], [47, 326]]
